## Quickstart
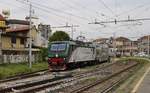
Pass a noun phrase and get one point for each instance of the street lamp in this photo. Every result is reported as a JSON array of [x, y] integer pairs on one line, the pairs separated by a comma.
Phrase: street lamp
[[30, 39], [148, 45], [0, 46], [1, 32], [30, 28]]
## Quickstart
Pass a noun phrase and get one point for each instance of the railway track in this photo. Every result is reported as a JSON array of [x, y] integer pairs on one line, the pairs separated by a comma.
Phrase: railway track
[[112, 79], [113, 83], [40, 85], [15, 88], [25, 75]]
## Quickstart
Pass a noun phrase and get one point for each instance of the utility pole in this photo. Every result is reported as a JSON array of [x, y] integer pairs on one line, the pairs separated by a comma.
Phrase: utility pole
[[1, 32], [114, 45], [30, 38], [68, 26], [30, 29], [0, 46], [131, 48], [148, 45], [72, 30]]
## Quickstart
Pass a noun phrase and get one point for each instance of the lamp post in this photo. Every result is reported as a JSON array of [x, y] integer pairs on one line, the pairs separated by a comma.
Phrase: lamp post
[[30, 39], [148, 45], [1, 32], [114, 46], [0, 45], [30, 29]]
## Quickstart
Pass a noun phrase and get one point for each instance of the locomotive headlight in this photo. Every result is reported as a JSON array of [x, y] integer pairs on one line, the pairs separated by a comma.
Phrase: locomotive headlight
[[56, 55]]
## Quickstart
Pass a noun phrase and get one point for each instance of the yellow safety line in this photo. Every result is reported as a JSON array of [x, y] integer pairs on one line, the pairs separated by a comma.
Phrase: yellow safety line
[[140, 81]]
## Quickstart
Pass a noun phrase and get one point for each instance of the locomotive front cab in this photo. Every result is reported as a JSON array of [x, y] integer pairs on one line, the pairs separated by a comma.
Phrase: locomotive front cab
[[57, 55]]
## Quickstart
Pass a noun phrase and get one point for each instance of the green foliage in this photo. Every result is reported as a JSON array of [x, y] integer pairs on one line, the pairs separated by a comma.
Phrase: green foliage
[[43, 54], [59, 36], [136, 59]]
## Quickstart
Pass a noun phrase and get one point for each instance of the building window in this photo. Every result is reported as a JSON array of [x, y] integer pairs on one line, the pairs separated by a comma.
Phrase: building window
[[22, 41], [13, 39]]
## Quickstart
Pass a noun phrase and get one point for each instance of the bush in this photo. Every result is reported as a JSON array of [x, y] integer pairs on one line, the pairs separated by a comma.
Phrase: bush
[[43, 54]]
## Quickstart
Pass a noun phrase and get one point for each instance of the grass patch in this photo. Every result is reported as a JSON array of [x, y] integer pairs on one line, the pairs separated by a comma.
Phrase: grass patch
[[8, 70], [128, 85], [137, 59], [91, 79]]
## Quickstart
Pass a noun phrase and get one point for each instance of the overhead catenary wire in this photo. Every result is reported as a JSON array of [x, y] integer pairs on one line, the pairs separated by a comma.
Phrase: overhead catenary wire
[[135, 24], [11, 4], [49, 17], [76, 20], [133, 9], [72, 3], [79, 5], [103, 3], [60, 11], [137, 20], [125, 12], [45, 9], [89, 10], [70, 6], [50, 12], [59, 14], [24, 8]]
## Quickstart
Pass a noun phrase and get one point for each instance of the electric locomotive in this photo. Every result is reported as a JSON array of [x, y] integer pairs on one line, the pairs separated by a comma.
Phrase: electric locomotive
[[62, 54]]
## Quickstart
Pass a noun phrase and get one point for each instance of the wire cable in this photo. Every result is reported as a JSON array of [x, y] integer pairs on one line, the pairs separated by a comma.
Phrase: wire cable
[[59, 11], [102, 2]]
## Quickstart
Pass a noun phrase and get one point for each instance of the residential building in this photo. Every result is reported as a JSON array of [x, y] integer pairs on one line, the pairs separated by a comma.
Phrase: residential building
[[134, 48], [15, 42], [102, 40], [144, 44], [2, 29], [125, 46]]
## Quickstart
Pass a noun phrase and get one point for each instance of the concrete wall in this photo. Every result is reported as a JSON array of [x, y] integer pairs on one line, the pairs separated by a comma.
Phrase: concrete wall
[[18, 58]]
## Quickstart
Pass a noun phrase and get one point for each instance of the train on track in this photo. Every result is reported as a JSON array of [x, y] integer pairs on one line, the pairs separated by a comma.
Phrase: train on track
[[65, 54]]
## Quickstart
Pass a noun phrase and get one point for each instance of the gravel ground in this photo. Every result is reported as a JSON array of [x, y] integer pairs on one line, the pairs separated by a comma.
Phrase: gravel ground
[[48, 76], [104, 73]]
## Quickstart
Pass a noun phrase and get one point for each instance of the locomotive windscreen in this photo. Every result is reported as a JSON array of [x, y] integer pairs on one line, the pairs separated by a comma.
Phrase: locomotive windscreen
[[58, 47]]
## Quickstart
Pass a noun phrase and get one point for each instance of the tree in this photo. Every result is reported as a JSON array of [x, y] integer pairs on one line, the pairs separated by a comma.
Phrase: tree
[[59, 36]]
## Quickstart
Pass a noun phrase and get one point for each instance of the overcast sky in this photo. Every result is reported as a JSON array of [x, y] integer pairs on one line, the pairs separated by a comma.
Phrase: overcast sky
[[82, 12]]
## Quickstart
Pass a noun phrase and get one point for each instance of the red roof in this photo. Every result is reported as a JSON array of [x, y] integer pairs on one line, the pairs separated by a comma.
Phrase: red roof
[[1, 18], [18, 29]]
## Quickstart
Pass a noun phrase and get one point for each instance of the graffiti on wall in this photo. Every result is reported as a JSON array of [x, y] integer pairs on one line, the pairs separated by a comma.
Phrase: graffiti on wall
[[18, 58]]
